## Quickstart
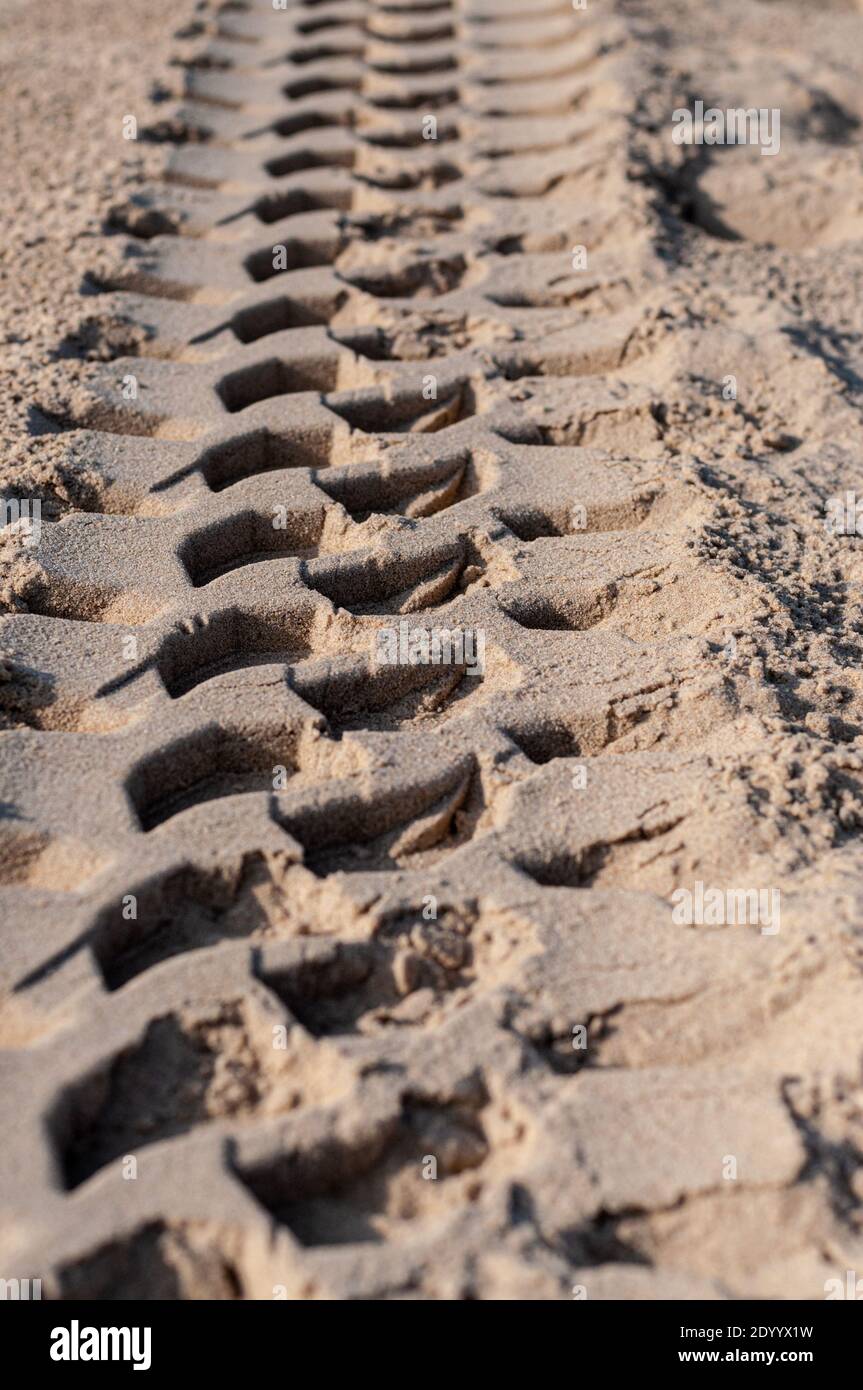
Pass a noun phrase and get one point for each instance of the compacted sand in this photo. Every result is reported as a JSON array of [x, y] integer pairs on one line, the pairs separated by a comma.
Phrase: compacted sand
[[534, 976]]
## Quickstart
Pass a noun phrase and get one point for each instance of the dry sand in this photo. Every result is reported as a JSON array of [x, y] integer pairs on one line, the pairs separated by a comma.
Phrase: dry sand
[[344, 979]]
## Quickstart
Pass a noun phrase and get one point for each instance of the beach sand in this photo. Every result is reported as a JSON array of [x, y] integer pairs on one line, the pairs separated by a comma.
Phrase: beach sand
[[531, 972]]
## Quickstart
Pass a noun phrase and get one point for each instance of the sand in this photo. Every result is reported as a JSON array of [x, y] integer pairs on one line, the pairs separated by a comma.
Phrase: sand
[[527, 972]]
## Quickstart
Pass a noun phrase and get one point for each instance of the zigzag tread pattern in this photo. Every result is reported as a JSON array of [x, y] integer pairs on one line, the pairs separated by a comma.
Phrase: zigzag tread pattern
[[373, 392]]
